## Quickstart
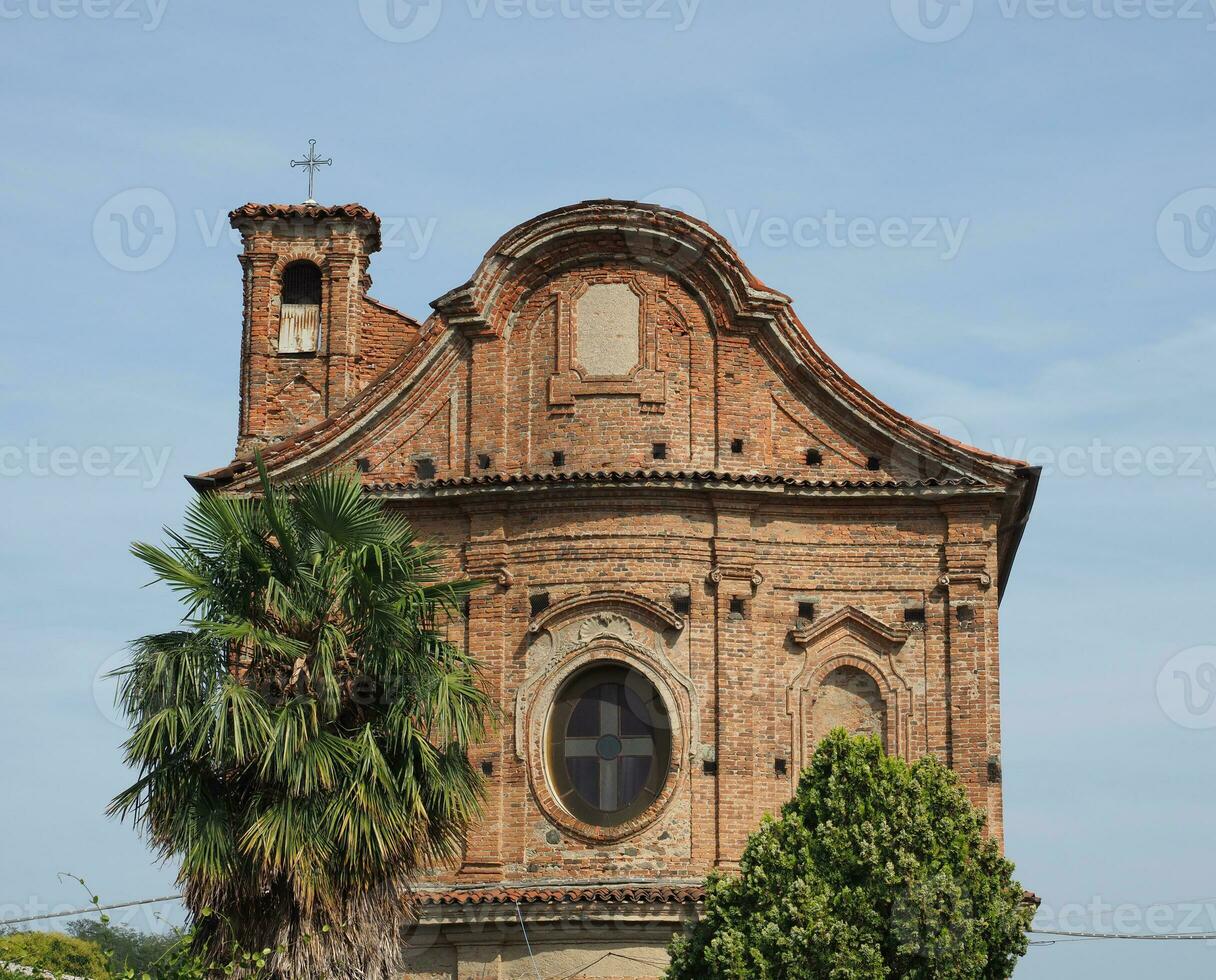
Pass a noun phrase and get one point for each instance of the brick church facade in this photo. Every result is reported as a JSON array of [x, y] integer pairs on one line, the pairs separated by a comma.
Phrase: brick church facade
[[706, 547]]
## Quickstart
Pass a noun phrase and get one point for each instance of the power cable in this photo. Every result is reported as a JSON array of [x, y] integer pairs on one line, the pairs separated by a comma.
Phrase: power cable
[[88, 909]]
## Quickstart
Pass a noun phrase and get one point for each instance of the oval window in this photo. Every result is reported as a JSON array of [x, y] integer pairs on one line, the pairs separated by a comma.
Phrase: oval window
[[608, 745]]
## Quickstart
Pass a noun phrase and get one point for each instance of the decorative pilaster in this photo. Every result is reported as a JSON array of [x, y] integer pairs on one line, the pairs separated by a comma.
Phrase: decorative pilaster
[[734, 577], [344, 270], [257, 265], [487, 412], [969, 606], [486, 558]]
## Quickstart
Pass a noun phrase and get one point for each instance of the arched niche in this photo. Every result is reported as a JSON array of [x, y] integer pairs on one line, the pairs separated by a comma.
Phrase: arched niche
[[850, 679]]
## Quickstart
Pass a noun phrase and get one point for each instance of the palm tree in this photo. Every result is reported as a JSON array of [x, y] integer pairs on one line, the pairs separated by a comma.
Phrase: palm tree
[[301, 745]]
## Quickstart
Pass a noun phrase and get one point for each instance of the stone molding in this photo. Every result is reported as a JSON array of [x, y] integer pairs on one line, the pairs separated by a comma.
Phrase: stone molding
[[607, 627]]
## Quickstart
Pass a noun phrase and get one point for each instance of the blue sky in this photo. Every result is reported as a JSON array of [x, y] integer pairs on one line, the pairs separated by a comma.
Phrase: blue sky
[[999, 216]]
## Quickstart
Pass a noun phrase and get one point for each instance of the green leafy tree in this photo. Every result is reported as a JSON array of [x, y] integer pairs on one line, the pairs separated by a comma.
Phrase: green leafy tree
[[53, 952], [301, 746], [126, 948], [875, 869]]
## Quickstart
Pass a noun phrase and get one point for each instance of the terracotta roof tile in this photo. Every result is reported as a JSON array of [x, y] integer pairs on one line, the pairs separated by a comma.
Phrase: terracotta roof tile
[[554, 894], [628, 894], [696, 476], [253, 210]]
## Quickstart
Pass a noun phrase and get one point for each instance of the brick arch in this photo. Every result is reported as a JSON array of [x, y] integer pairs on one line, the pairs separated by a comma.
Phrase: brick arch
[[302, 252], [595, 601], [288, 254], [591, 235], [874, 649]]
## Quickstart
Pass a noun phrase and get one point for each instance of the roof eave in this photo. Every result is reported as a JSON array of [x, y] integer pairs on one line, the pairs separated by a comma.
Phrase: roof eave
[[1028, 478]]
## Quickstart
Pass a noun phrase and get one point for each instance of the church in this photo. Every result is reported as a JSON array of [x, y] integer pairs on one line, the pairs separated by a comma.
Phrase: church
[[704, 544]]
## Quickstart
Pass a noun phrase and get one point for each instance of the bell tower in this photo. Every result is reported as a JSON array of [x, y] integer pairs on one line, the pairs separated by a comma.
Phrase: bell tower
[[305, 282]]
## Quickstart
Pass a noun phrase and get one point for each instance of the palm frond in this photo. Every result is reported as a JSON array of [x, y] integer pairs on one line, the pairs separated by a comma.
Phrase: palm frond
[[301, 745]]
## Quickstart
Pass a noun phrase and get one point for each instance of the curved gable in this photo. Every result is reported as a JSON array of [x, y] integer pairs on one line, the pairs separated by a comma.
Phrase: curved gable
[[612, 339]]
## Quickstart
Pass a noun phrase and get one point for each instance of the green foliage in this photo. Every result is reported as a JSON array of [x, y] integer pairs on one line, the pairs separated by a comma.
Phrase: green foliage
[[55, 952], [301, 746], [875, 869], [126, 948]]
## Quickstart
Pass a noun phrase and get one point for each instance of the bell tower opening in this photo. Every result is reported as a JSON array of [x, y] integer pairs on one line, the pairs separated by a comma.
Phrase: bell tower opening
[[300, 310]]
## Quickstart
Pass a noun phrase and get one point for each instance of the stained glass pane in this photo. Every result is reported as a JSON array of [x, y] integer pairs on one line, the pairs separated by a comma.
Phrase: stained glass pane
[[633, 713], [585, 778], [634, 771], [585, 718]]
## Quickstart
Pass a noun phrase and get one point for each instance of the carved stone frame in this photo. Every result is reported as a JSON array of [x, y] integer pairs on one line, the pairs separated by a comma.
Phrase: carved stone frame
[[570, 380], [602, 637]]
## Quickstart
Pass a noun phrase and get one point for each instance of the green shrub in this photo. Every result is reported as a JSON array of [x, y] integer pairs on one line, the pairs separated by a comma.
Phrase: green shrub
[[55, 952], [876, 869]]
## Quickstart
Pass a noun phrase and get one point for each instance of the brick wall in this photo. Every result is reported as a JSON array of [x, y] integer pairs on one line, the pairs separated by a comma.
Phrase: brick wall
[[829, 579], [745, 671], [359, 337]]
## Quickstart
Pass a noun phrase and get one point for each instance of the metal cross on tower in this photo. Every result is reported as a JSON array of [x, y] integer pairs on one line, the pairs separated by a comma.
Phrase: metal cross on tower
[[311, 163]]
